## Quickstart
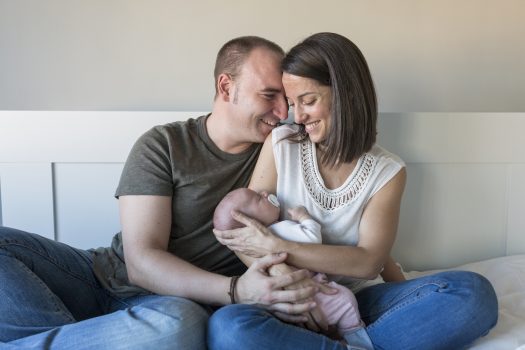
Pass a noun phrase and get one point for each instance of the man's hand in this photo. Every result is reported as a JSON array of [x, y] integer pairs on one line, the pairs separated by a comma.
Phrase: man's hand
[[315, 318], [256, 286]]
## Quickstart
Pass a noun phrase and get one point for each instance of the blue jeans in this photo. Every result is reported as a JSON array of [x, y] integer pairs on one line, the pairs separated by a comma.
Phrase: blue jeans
[[448, 310], [50, 298]]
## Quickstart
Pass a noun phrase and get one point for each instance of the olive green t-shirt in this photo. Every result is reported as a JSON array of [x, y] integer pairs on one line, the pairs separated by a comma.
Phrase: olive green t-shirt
[[181, 161]]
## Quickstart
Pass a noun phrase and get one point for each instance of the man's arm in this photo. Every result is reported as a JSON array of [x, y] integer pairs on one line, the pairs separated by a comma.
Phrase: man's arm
[[146, 224]]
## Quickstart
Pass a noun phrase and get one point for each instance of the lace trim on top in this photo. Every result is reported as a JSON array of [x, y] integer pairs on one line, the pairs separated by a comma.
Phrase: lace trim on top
[[333, 199]]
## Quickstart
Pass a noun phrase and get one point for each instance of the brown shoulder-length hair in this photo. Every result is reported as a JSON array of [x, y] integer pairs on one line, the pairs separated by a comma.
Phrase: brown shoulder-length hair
[[334, 61]]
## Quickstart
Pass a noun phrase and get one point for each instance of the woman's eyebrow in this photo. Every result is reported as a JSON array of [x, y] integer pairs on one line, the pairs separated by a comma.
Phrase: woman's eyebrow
[[306, 93]]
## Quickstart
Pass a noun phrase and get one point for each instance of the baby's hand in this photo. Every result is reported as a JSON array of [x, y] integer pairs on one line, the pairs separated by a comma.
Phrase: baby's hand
[[299, 213]]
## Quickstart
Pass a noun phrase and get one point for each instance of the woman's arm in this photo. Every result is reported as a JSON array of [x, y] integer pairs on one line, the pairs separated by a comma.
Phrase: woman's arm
[[392, 272], [377, 233], [264, 177]]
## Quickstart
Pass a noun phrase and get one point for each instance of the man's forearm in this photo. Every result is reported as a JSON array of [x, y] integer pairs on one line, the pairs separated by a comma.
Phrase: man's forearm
[[164, 273]]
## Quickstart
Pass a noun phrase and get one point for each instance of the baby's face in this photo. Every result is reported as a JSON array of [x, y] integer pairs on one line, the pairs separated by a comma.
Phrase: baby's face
[[264, 207]]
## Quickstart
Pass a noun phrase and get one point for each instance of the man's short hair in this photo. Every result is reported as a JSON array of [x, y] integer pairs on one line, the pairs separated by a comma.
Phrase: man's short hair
[[232, 55]]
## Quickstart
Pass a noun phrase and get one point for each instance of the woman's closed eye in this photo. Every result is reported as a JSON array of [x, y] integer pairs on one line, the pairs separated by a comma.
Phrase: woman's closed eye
[[308, 102]]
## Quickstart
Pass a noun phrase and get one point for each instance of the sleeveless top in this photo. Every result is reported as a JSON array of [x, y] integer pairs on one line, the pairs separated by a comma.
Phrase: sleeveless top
[[338, 210]]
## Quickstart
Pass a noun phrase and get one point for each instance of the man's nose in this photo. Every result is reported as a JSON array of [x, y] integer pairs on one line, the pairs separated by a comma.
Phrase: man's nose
[[281, 108]]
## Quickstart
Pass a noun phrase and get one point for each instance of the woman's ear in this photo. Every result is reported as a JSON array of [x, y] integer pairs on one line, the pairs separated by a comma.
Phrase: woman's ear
[[224, 85]]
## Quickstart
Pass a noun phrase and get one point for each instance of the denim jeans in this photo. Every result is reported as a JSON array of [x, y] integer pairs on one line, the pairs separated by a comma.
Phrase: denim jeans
[[448, 310], [50, 298]]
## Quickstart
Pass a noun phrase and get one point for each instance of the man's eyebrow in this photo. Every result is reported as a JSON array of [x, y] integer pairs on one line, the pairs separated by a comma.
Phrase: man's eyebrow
[[274, 90]]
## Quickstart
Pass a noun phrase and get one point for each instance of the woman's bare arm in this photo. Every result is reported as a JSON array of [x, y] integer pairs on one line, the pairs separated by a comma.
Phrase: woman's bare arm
[[377, 233]]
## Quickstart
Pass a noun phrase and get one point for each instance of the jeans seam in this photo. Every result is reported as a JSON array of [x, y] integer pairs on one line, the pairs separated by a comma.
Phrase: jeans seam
[[46, 257], [6, 242], [52, 296], [390, 309]]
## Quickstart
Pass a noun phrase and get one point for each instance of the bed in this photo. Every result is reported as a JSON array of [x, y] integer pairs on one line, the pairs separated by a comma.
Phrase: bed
[[463, 203], [507, 275]]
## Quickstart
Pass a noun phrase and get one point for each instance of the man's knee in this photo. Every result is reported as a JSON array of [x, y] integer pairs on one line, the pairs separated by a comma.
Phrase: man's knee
[[176, 321], [10, 235]]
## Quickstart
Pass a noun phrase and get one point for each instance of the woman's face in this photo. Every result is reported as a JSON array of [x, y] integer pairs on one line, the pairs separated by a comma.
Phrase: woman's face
[[311, 103]]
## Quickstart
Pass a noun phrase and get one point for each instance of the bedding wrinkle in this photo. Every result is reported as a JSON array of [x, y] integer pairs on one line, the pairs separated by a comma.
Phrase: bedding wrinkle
[[507, 276]]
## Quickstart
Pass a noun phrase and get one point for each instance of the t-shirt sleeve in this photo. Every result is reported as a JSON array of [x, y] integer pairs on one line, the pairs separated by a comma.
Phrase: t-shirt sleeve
[[148, 167]]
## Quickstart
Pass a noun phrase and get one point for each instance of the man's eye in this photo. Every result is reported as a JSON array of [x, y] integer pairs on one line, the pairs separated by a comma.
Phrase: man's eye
[[269, 96]]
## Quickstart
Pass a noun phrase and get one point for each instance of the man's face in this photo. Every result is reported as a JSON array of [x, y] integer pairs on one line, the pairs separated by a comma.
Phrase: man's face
[[257, 96]]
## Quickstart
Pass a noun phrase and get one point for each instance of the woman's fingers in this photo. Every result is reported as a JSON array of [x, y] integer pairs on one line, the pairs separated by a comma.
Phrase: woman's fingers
[[224, 236], [247, 221], [254, 240]]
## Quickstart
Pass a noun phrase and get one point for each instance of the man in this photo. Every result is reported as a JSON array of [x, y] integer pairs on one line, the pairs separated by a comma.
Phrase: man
[[159, 295]]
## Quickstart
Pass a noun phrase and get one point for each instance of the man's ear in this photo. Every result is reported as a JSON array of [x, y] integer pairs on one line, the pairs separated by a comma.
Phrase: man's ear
[[224, 86]]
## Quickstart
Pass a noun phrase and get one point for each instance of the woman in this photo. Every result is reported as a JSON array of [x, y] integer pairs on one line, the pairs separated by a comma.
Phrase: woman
[[353, 187]]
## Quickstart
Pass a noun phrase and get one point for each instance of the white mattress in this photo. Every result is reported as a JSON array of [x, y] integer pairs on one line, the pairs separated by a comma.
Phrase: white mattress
[[507, 274]]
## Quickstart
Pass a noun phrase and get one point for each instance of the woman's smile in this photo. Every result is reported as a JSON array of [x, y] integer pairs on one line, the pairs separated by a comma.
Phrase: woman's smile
[[309, 127]]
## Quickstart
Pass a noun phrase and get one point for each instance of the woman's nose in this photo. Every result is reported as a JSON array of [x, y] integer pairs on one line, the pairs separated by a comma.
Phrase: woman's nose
[[299, 116]]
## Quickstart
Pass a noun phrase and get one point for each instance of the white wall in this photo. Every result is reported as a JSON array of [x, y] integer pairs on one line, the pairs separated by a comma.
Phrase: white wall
[[426, 56]]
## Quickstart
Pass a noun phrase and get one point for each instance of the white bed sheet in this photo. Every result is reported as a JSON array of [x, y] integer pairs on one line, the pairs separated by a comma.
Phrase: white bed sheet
[[507, 275]]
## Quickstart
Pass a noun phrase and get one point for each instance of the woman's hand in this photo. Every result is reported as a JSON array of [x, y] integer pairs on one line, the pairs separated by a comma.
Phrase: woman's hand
[[254, 240]]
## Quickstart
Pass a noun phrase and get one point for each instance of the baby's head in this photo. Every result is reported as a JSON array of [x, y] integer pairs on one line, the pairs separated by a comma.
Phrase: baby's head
[[262, 207]]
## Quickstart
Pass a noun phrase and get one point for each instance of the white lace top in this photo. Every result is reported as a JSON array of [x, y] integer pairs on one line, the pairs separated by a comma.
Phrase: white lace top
[[337, 210]]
